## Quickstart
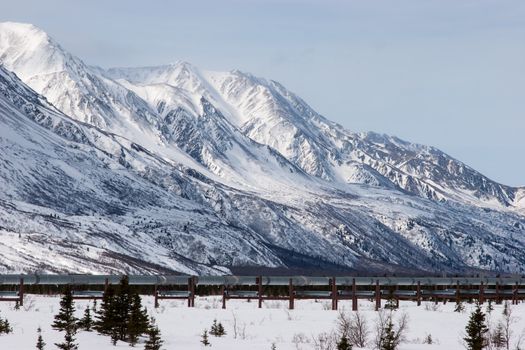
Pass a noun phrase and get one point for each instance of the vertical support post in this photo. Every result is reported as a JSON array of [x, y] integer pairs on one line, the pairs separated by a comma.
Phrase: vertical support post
[[418, 293], [156, 297], [481, 293], [190, 280], [106, 285], [396, 296], [333, 284], [458, 297], [354, 295], [193, 284], [435, 294], [444, 294], [498, 295], [21, 292], [291, 294], [260, 291], [223, 291], [378, 296], [515, 294]]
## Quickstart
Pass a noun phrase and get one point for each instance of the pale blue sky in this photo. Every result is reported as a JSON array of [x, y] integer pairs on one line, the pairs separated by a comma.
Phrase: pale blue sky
[[447, 73]]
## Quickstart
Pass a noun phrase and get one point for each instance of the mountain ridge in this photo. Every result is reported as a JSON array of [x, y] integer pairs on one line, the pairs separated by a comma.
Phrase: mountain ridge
[[237, 171]]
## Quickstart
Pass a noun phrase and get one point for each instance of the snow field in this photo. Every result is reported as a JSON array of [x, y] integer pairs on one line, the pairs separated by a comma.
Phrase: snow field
[[247, 326]]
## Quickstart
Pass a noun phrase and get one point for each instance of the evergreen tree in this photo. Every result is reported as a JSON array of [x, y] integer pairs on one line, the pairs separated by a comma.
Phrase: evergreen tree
[[69, 340], [459, 306], [40, 341], [5, 326], [476, 330], [2, 327], [217, 329], [428, 339], [94, 308], [105, 318], [204, 338], [122, 306], [343, 344], [154, 341], [389, 340], [17, 305], [220, 330], [65, 319], [490, 307], [505, 308], [213, 329], [121, 314], [138, 320], [86, 323], [391, 303]]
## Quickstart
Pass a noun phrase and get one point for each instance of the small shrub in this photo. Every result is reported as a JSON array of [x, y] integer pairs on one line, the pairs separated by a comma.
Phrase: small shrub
[[204, 338], [217, 329], [428, 339]]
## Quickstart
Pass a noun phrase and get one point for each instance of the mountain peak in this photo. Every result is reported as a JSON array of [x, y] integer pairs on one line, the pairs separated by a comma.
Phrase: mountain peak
[[30, 51], [22, 29], [172, 73]]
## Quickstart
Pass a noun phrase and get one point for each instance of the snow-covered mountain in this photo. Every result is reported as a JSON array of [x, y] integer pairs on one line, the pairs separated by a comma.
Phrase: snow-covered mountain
[[176, 168], [267, 113]]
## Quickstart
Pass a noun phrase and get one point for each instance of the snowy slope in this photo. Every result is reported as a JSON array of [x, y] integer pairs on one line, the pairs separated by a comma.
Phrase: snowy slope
[[66, 81], [210, 169], [145, 103], [86, 196], [248, 327], [268, 113]]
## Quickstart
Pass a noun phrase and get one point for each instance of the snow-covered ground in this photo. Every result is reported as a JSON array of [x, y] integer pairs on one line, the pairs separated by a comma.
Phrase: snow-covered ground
[[181, 327]]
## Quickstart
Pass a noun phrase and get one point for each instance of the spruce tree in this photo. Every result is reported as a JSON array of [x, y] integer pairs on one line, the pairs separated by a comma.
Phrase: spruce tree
[[204, 338], [138, 320], [343, 344], [213, 329], [40, 345], [69, 340], [122, 306], [5, 326], [505, 308], [220, 330], [105, 318], [217, 329], [2, 327], [459, 307], [476, 330], [389, 340], [391, 303], [154, 341], [86, 322], [65, 319], [490, 307]]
